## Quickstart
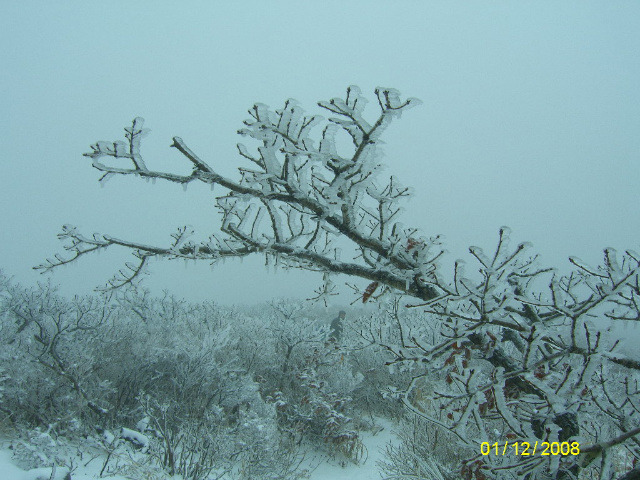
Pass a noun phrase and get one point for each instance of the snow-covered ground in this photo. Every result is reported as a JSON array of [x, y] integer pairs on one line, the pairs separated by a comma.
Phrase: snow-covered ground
[[321, 466], [367, 470], [9, 471]]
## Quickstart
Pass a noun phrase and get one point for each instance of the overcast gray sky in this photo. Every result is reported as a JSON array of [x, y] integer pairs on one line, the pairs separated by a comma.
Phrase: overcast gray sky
[[530, 119]]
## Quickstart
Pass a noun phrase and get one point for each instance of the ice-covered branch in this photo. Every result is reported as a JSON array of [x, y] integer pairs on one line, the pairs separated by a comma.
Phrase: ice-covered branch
[[517, 349], [529, 363], [310, 194]]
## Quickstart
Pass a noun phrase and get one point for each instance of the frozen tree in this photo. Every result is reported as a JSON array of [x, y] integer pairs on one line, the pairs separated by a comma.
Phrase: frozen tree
[[46, 327], [154, 374], [292, 202], [521, 353], [524, 365]]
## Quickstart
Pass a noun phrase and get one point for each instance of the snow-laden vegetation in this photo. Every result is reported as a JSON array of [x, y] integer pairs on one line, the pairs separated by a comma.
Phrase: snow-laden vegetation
[[143, 385], [194, 390], [502, 351]]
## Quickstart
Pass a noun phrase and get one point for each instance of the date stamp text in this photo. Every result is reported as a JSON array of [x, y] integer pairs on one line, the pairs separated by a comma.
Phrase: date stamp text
[[526, 449]]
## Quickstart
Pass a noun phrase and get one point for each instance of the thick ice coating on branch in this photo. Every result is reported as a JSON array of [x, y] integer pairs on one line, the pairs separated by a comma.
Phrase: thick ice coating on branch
[[297, 195], [507, 358]]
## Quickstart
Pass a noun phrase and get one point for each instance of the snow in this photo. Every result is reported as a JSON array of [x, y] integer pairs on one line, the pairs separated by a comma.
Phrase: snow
[[108, 437], [143, 424], [374, 442], [321, 466], [45, 474], [137, 438], [9, 471]]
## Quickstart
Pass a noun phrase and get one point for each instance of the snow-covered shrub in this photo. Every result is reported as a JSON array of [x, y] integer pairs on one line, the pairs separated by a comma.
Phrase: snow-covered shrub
[[3, 378], [49, 356], [529, 363], [36, 448], [371, 333], [194, 383], [5, 299], [176, 352], [282, 462], [245, 440], [518, 360], [189, 378], [419, 454], [414, 457], [321, 388], [188, 447], [313, 409], [283, 346]]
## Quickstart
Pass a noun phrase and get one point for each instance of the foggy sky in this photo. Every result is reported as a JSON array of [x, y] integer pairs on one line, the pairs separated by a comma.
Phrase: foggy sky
[[530, 119]]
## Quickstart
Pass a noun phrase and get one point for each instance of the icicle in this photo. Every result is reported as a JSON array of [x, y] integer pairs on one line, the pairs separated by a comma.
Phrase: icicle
[[211, 185], [105, 178], [184, 187]]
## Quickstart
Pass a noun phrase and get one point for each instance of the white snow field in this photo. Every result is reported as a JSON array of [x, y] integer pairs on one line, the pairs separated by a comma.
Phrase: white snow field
[[368, 470], [320, 466], [9, 471]]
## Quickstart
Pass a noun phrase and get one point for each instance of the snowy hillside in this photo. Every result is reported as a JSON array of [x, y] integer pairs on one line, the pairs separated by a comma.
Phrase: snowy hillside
[[87, 465]]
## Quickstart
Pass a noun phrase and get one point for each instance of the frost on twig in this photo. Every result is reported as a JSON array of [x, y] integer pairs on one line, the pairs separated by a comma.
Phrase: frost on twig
[[523, 355], [519, 352], [298, 196]]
